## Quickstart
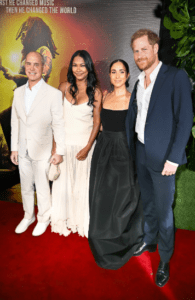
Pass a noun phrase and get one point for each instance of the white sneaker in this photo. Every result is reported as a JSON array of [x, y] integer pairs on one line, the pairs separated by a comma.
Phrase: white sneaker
[[23, 225], [40, 228]]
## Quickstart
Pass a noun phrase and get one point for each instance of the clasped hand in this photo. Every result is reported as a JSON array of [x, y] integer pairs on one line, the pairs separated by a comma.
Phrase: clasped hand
[[56, 159]]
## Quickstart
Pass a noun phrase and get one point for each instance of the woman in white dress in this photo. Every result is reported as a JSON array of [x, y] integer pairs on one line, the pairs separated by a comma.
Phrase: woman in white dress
[[82, 106]]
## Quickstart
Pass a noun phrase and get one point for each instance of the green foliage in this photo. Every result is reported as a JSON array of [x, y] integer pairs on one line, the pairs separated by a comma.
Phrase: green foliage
[[184, 208], [182, 29], [181, 24], [193, 131]]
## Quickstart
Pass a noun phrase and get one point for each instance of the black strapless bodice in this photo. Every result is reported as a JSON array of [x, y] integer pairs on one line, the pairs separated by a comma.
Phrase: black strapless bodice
[[113, 120]]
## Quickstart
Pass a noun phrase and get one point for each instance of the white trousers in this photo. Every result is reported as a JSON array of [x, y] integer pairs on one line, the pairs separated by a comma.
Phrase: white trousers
[[35, 172]]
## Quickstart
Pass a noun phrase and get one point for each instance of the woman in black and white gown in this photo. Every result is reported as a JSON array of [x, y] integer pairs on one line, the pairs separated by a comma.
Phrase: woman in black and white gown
[[115, 228]]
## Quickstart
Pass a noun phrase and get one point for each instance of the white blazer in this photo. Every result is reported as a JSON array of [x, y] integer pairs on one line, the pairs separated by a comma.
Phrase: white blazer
[[34, 132]]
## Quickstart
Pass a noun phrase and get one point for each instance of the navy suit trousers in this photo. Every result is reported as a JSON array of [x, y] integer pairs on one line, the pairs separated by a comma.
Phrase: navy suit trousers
[[157, 194]]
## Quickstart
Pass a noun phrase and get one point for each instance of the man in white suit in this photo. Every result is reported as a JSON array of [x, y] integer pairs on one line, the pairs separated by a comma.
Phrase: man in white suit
[[37, 115]]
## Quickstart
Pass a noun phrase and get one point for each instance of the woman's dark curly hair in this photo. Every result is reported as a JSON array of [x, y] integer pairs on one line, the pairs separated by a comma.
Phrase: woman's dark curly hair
[[38, 34], [92, 81], [125, 64]]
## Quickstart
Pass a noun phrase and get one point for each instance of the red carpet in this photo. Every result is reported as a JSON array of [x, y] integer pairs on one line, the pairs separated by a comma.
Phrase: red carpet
[[55, 267]]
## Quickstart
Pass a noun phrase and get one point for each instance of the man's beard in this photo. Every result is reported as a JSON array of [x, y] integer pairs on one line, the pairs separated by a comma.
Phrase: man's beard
[[147, 65]]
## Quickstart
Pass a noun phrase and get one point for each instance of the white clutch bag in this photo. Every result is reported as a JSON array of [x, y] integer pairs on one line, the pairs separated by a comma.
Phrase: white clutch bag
[[54, 172]]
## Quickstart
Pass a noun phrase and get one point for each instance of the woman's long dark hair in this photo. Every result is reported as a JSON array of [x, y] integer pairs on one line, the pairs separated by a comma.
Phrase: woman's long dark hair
[[38, 34], [92, 81], [125, 64]]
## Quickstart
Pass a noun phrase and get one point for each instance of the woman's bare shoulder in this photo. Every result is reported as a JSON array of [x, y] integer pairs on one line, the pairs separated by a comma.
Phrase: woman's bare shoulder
[[63, 86], [128, 96], [98, 92], [106, 95], [98, 95]]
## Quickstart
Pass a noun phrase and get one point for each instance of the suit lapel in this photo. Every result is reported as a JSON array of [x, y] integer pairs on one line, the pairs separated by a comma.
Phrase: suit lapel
[[23, 98], [157, 87], [40, 95], [134, 94]]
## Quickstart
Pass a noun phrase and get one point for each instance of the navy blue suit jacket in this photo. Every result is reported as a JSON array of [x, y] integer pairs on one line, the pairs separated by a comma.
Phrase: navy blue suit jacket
[[169, 119]]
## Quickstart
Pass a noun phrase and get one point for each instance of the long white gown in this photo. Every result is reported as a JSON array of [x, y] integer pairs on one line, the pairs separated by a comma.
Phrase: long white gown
[[70, 192]]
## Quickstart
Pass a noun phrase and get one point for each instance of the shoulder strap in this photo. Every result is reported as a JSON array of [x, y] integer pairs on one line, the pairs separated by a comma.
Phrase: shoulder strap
[[65, 89]]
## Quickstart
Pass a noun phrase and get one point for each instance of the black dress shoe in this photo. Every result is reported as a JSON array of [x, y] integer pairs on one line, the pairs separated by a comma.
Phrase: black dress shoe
[[162, 275], [144, 247]]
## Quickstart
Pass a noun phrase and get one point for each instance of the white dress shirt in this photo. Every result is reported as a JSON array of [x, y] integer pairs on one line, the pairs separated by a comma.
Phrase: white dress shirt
[[143, 101], [31, 94]]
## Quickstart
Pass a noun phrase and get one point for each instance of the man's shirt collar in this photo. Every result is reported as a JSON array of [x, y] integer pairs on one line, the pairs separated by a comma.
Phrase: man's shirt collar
[[153, 75], [36, 86]]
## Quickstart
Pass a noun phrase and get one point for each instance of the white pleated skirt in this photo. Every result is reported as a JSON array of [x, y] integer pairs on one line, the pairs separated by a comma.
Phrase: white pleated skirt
[[70, 194]]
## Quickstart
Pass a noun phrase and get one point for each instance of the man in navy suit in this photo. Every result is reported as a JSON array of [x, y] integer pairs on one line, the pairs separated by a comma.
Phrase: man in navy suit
[[160, 112]]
